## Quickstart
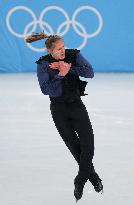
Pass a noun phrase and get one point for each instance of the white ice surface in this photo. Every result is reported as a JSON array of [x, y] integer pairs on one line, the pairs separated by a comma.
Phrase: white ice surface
[[36, 168]]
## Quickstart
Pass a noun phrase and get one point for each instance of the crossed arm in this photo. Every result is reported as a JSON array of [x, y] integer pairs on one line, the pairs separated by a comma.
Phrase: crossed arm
[[82, 68], [52, 87]]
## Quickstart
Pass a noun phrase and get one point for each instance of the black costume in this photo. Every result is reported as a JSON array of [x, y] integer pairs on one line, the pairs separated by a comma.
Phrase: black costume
[[72, 121]]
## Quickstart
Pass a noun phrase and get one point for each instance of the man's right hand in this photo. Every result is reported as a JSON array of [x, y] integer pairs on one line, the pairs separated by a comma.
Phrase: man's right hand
[[64, 68], [61, 66]]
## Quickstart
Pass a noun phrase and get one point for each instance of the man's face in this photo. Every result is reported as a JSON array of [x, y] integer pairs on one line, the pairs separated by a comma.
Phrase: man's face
[[58, 52]]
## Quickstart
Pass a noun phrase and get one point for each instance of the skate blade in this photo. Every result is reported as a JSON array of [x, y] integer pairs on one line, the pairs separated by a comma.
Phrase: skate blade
[[102, 192]]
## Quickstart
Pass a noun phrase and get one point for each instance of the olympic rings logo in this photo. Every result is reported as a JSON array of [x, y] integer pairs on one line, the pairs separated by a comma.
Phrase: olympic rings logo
[[75, 24]]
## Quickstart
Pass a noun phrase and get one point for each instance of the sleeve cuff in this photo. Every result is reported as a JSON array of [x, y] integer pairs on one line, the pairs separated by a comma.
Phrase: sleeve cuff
[[58, 76]]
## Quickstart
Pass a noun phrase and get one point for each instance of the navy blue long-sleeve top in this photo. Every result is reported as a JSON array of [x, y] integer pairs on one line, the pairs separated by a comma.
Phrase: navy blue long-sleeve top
[[51, 82]]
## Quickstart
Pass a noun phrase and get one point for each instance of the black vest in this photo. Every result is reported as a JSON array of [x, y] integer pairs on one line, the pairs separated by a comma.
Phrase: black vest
[[72, 86]]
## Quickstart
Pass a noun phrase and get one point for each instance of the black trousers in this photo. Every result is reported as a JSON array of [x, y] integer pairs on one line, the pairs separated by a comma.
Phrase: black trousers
[[74, 126]]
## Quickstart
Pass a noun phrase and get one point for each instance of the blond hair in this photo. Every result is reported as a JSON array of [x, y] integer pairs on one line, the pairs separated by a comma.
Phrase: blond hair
[[49, 43]]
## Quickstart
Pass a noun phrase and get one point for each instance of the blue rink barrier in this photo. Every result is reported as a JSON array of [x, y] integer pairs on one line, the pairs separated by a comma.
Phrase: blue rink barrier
[[102, 30]]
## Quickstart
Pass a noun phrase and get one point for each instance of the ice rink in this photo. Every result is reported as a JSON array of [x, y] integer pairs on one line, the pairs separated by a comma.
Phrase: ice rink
[[36, 168]]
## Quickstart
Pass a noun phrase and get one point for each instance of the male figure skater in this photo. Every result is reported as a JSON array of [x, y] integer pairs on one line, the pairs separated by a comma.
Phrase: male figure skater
[[58, 75]]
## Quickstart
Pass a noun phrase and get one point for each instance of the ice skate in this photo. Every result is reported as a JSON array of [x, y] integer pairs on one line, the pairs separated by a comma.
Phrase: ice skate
[[97, 183]]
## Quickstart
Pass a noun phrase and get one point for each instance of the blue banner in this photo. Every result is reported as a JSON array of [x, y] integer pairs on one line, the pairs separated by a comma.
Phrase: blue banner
[[102, 30]]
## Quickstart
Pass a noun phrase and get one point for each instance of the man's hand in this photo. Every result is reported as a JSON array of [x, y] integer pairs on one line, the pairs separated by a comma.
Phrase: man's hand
[[61, 66], [54, 65]]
